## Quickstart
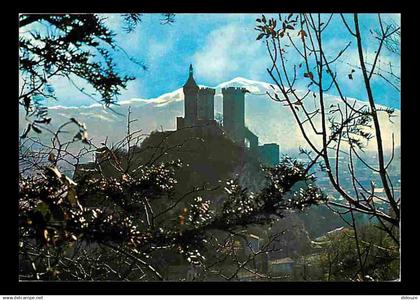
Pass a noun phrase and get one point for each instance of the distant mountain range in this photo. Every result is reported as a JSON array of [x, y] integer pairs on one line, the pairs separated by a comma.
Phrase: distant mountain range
[[268, 119]]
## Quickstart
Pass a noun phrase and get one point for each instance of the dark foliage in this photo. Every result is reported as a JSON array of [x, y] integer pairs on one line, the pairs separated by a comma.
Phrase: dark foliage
[[57, 214]]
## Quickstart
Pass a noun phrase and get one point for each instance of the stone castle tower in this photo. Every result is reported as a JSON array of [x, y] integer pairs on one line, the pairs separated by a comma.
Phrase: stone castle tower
[[190, 103], [234, 113]]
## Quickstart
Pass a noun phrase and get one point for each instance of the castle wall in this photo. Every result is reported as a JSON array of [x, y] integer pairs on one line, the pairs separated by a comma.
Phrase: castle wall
[[180, 123], [270, 153], [252, 138]]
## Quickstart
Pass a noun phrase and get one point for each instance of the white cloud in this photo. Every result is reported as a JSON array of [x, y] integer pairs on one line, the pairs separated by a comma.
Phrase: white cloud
[[132, 91], [230, 51], [158, 48]]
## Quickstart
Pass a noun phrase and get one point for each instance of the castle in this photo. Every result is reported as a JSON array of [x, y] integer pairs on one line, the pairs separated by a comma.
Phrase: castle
[[199, 112], [199, 117]]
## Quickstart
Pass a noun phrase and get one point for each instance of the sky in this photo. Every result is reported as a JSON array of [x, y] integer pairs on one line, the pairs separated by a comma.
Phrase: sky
[[222, 47]]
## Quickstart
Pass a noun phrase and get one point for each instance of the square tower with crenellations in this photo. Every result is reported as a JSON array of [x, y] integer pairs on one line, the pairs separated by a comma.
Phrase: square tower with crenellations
[[234, 113]]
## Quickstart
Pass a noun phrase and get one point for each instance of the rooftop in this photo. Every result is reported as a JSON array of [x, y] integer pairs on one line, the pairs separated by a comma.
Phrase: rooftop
[[191, 82]]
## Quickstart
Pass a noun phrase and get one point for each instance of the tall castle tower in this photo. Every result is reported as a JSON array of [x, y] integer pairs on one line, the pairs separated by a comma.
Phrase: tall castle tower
[[190, 99], [234, 113]]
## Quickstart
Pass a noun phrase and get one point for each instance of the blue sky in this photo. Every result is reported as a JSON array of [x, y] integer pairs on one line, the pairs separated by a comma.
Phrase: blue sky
[[222, 47]]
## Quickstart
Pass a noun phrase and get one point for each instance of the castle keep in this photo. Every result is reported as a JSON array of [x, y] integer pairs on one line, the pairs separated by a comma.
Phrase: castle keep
[[198, 105], [199, 112]]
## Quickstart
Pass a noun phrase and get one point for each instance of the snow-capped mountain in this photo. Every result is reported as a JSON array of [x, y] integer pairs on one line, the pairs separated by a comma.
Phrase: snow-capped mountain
[[271, 121]]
